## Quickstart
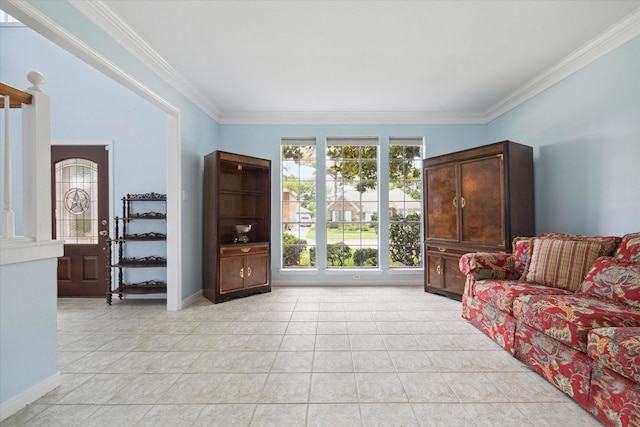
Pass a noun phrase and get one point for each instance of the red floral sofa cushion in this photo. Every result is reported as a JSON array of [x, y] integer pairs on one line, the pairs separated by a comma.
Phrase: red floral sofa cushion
[[502, 293], [616, 280], [629, 248], [569, 318], [618, 349]]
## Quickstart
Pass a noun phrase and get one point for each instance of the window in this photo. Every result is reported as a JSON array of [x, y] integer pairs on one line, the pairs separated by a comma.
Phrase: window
[[76, 188], [352, 202], [332, 212], [298, 202], [405, 202]]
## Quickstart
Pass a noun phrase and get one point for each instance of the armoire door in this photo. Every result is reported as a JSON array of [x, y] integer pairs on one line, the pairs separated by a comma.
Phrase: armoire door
[[440, 197], [482, 204]]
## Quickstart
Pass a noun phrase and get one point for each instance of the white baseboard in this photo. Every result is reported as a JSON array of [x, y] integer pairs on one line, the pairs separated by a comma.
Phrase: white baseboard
[[192, 299], [30, 395]]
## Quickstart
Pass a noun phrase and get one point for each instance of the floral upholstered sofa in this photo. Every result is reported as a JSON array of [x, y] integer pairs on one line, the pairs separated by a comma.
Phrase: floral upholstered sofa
[[568, 306]]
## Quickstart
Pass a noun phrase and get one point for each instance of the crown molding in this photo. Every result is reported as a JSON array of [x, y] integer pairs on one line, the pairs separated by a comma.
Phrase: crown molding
[[348, 118], [612, 38], [41, 23], [101, 15]]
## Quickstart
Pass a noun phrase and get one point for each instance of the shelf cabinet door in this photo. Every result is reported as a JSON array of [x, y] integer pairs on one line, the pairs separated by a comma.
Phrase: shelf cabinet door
[[481, 203], [440, 198], [231, 274], [257, 267]]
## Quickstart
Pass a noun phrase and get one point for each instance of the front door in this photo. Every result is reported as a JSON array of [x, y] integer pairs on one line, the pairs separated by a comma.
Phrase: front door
[[80, 181]]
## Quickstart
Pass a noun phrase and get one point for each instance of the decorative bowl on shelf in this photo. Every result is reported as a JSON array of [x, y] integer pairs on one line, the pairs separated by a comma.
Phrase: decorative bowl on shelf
[[244, 228], [241, 232]]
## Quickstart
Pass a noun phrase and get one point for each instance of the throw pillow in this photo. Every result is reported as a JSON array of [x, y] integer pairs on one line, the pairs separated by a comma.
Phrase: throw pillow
[[609, 243], [614, 279], [629, 248], [560, 263]]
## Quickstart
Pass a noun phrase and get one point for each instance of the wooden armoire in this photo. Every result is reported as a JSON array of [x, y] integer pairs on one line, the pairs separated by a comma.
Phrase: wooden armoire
[[237, 191], [475, 200]]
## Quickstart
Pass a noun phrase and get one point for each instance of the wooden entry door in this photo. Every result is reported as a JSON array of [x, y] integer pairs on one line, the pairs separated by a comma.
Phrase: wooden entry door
[[80, 193]]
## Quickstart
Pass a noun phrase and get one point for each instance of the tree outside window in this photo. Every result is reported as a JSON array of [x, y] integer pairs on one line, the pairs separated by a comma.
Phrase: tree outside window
[[298, 204], [352, 203], [405, 203]]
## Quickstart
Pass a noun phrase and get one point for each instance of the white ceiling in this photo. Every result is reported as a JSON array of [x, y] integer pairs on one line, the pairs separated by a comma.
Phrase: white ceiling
[[251, 60]]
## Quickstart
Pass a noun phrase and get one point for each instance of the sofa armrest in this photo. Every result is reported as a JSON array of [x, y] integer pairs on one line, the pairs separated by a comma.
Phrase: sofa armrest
[[485, 265]]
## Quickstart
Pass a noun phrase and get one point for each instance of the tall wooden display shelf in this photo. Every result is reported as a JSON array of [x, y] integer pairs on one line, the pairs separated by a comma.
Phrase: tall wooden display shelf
[[125, 240], [474, 200], [237, 191]]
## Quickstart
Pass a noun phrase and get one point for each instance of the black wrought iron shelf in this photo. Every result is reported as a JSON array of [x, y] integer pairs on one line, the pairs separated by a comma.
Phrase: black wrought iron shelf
[[145, 215], [148, 197], [142, 237], [147, 287], [150, 261], [120, 242]]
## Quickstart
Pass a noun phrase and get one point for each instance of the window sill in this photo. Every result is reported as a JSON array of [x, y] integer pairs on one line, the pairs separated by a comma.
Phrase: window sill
[[298, 270]]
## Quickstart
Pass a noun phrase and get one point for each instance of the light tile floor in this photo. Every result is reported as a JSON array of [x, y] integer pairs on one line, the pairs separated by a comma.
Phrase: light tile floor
[[298, 356]]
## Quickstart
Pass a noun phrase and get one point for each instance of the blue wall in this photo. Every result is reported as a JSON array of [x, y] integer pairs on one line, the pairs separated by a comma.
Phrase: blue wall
[[585, 131], [28, 338], [87, 105]]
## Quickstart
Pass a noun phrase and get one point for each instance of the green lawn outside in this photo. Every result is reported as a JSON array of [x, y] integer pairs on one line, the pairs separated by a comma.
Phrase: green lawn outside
[[339, 235]]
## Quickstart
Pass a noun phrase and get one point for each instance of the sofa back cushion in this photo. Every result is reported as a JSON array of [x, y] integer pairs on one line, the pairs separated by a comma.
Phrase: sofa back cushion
[[629, 248], [614, 279], [560, 263]]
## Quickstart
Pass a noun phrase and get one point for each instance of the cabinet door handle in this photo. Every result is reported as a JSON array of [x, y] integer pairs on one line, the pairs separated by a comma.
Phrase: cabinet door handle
[[463, 202], [442, 249], [245, 250], [242, 272], [248, 271], [439, 270], [455, 202]]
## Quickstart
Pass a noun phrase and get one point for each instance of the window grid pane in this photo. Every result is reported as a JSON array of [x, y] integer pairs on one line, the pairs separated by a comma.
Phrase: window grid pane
[[298, 204], [405, 205], [352, 206]]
